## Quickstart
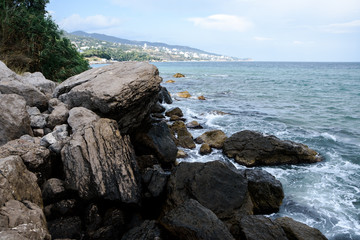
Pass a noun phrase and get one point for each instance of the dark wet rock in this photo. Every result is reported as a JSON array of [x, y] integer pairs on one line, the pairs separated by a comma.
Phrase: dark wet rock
[[80, 116], [298, 231], [124, 91], [148, 230], [146, 161], [100, 163], [14, 119], [253, 149], [164, 96], [93, 219], [266, 192], [174, 118], [178, 75], [33, 155], [17, 183], [67, 227], [114, 226], [155, 180], [156, 141], [260, 228], [24, 218], [194, 125], [158, 108], [191, 220], [174, 111], [53, 190], [214, 138], [215, 185], [205, 149], [63, 208], [182, 136]]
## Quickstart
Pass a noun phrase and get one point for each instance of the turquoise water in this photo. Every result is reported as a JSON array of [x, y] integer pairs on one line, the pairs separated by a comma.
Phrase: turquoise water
[[313, 103]]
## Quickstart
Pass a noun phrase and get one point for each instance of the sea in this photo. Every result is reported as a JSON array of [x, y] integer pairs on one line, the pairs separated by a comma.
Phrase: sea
[[317, 104]]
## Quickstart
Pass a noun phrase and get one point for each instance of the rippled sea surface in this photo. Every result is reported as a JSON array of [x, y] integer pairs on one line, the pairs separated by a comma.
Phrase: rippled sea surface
[[317, 104]]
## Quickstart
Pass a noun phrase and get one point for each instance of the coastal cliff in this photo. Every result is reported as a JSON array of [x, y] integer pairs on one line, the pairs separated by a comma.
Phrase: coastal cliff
[[96, 159]]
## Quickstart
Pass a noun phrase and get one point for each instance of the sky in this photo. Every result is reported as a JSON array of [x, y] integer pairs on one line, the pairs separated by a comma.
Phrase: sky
[[264, 30]]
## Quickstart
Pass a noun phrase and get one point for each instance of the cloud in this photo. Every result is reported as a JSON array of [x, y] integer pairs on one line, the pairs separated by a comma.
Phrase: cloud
[[96, 22], [222, 22], [342, 27], [263, 39]]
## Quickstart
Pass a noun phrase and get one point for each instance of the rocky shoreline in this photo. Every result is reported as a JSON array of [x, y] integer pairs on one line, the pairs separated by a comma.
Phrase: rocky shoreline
[[95, 158]]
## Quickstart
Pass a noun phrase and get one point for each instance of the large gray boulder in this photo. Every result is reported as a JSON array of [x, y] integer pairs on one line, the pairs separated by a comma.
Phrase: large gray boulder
[[11, 83], [251, 148], [14, 119], [124, 91], [38, 80], [100, 163], [24, 219], [193, 221], [17, 183], [80, 116]]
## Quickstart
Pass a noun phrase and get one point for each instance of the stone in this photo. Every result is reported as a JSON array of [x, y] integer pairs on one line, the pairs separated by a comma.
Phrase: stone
[[56, 139], [170, 81], [191, 220], [31, 94], [155, 179], [33, 155], [181, 154], [17, 183], [201, 98], [215, 185], [100, 163], [146, 161], [183, 94], [53, 190], [214, 138], [158, 108], [299, 231], [38, 132], [38, 80], [251, 148], [124, 91], [174, 118], [205, 149], [182, 135], [148, 230], [266, 192], [194, 125], [260, 228], [174, 111], [156, 141], [63, 208], [164, 96], [178, 75], [67, 227], [58, 116], [14, 119], [24, 218], [80, 116], [38, 121]]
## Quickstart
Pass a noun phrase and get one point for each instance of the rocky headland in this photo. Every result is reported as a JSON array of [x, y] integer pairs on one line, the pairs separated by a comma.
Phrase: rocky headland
[[95, 158]]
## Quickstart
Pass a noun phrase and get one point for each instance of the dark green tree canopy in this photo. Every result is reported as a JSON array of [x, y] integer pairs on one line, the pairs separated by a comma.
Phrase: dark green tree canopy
[[31, 41]]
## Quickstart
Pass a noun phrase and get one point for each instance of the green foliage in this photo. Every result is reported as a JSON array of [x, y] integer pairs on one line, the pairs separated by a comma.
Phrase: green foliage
[[31, 41], [118, 54]]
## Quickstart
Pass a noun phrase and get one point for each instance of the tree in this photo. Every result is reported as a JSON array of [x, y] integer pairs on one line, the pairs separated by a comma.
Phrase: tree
[[31, 41]]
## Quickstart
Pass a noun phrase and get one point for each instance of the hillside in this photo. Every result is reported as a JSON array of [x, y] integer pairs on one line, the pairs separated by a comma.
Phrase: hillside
[[122, 49]]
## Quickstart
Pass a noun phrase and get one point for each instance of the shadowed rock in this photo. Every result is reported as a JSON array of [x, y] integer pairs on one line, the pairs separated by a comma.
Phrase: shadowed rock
[[148, 230], [123, 91], [253, 149], [99, 162], [191, 220]]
